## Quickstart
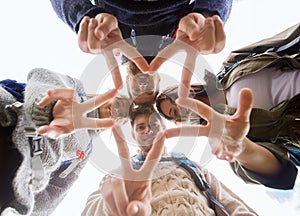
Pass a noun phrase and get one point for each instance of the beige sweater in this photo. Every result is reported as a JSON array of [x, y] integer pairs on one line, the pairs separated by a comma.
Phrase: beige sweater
[[175, 193]]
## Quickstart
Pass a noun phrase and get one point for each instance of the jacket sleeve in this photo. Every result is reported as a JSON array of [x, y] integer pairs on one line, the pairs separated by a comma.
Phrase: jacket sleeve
[[39, 81], [53, 187], [284, 180], [219, 7], [72, 12], [231, 202]]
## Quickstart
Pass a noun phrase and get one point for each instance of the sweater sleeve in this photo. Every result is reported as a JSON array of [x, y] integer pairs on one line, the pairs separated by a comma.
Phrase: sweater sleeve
[[39, 81], [219, 7], [52, 188], [231, 202], [72, 12]]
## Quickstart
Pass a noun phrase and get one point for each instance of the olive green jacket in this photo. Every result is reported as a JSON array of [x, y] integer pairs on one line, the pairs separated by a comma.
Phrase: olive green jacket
[[276, 129]]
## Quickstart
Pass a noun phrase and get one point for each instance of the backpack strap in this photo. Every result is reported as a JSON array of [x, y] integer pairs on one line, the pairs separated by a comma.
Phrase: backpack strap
[[181, 160], [35, 142]]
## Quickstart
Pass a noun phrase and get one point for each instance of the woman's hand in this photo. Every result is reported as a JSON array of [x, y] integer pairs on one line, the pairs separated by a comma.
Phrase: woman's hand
[[69, 114], [226, 134]]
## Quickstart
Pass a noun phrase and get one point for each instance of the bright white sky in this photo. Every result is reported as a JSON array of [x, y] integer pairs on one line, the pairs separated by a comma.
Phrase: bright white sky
[[33, 36]]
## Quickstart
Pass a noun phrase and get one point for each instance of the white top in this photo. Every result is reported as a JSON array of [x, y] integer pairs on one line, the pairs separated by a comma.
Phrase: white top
[[270, 86]]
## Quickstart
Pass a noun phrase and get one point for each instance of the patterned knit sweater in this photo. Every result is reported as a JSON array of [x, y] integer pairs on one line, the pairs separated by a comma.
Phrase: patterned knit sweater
[[175, 193]]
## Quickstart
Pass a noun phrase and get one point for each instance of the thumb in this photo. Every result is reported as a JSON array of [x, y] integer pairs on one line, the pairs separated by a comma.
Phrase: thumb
[[137, 208], [245, 104]]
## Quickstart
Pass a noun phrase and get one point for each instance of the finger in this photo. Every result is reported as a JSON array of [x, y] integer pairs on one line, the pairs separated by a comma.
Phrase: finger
[[92, 123], [244, 105], [137, 208], [187, 73], [120, 195], [219, 35], [199, 107], [123, 150], [190, 131], [57, 94], [53, 132], [107, 23], [153, 156], [92, 40], [131, 53], [83, 34], [99, 100], [208, 35], [228, 156], [108, 197], [164, 55], [191, 25], [44, 129], [113, 68]]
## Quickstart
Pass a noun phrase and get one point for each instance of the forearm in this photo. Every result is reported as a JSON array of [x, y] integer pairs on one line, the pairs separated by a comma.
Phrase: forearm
[[71, 12], [210, 8], [259, 159]]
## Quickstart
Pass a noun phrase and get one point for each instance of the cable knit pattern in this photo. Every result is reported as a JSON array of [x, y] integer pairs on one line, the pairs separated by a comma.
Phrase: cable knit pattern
[[175, 193], [51, 188]]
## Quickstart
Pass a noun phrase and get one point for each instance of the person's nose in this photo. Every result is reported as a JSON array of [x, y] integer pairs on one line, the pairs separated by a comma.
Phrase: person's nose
[[142, 86], [149, 130]]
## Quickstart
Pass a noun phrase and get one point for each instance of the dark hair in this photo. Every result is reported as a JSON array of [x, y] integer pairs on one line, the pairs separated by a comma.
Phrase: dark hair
[[143, 109], [197, 91], [132, 69]]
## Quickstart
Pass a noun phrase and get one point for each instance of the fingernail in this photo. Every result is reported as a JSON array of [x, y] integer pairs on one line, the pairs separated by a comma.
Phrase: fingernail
[[51, 134], [135, 209]]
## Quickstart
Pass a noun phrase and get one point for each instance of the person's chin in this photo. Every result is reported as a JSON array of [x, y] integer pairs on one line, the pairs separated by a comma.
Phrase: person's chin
[[146, 147]]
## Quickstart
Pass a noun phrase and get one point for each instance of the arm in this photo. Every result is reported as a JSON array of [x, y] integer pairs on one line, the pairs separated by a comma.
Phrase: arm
[[72, 12], [227, 137], [130, 194], [254, 156], [278, 171], [222, 8]]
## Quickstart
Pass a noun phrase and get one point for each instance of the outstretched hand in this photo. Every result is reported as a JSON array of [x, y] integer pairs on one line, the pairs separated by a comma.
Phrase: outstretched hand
[[226, 134], [195, 35], [102, 35], [69, 114], [131, 195]]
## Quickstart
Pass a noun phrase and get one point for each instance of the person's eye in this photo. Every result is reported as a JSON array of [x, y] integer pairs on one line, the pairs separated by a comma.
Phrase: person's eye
[[154, 125], [140, 128], [173, 112]]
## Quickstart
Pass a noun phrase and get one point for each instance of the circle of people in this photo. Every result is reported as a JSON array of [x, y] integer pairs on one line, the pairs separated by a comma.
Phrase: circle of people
[[256, 131]]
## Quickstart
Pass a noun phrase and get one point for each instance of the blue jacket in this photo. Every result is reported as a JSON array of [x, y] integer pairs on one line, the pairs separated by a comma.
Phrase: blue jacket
[[159, 17]]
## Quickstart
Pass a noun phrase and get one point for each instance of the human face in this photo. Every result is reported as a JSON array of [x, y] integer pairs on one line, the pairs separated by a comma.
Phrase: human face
[[120, 107], [145, 129], [143, 87], [104, 110], [174, 111]]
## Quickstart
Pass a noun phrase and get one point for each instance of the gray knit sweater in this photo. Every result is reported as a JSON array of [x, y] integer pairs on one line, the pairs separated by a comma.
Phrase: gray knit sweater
[[43, 199]]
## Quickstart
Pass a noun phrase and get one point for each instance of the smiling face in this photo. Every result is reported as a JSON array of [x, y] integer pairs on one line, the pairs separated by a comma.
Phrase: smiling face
[[143, 87], [174, 112], [145, 128], [104, 110]]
